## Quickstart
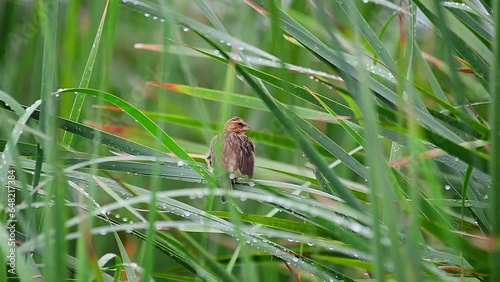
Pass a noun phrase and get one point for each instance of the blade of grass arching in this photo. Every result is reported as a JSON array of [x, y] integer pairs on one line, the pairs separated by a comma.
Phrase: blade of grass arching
[[494, 109], [103, 260], [148, 124], [84, 82]]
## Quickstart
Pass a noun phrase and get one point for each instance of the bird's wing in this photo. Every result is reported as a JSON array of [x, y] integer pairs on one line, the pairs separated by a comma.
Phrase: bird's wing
[[247, 157], [210, 156]]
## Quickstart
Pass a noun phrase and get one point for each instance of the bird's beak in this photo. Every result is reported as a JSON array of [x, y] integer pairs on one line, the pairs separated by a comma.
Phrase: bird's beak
[[246, 127]]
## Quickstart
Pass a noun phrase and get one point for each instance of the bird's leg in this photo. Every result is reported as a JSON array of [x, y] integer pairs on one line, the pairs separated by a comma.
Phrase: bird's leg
[[233, 179]]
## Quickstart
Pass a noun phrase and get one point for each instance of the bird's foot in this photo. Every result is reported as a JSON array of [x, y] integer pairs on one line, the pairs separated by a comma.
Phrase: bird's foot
[[233, 179]]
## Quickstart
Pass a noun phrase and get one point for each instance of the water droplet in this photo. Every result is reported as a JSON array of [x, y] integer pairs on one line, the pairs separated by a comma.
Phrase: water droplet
[[185, 29], [447, 187]]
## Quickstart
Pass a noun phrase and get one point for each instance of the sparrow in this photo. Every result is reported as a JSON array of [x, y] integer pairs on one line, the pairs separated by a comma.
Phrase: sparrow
[[238, 151]]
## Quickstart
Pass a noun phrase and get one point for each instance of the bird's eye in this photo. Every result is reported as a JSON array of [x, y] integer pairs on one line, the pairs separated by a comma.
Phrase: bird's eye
[[240, 123]]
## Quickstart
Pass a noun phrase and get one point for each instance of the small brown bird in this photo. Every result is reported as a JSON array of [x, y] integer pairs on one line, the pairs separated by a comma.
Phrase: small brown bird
[[238, 151]]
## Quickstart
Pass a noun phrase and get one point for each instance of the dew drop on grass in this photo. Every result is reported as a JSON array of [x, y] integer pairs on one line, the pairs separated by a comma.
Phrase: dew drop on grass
[[447, 187], [295, 259], [185, 29]]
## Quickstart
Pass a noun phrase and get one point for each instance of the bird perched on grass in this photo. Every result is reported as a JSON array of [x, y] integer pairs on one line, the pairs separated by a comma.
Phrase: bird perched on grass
[[238, 151]]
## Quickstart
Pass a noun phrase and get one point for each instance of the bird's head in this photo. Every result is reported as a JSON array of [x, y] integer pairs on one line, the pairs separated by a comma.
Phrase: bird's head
[[236, 125]]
